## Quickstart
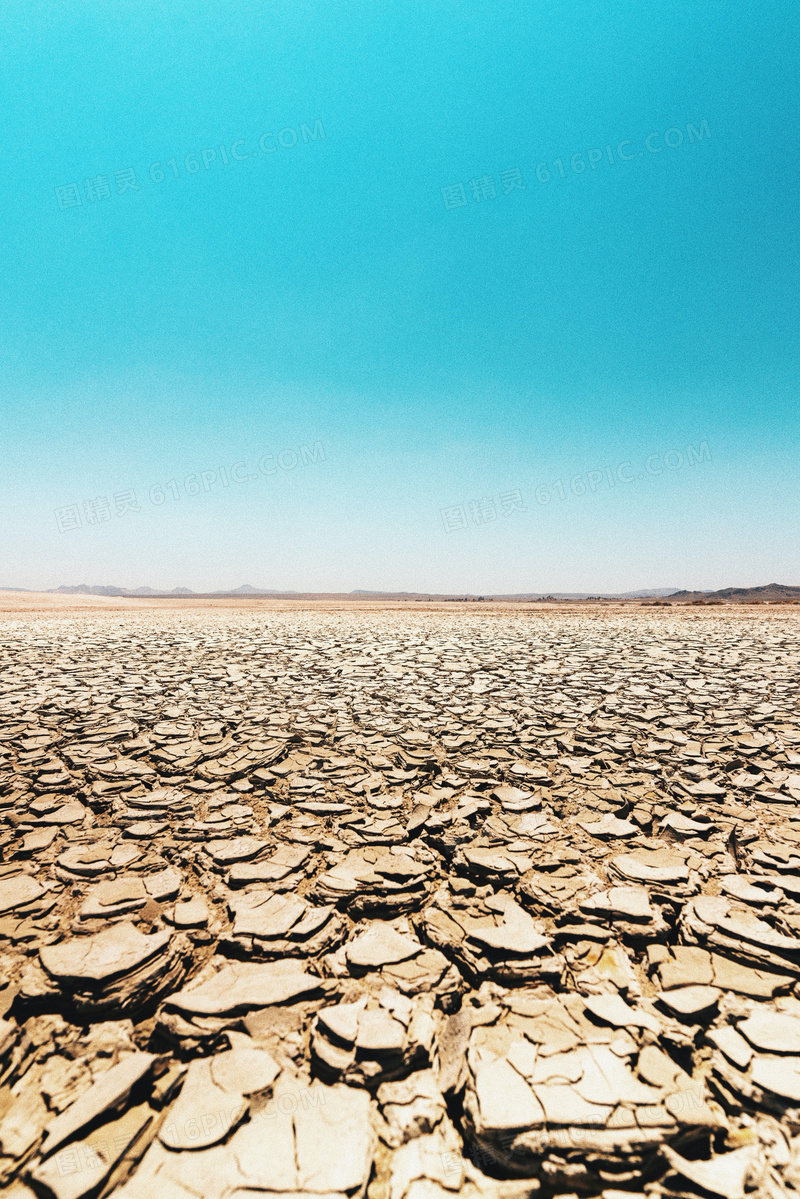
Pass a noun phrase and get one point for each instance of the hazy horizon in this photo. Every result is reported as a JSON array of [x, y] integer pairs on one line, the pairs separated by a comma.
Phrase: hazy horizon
[[248, 588]]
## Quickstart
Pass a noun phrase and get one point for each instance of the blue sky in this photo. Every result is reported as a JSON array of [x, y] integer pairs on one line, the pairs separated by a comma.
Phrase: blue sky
[[625, 288]]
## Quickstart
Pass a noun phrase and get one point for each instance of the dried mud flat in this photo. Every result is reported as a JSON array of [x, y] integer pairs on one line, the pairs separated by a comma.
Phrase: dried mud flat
[[399, 903]]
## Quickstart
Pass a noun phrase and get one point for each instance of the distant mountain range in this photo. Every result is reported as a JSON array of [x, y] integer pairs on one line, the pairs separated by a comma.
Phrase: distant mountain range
[[84, 589], [247, 590], [770, 593]]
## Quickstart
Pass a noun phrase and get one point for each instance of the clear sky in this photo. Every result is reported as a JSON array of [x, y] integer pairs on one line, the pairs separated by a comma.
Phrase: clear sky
[[482, 260]]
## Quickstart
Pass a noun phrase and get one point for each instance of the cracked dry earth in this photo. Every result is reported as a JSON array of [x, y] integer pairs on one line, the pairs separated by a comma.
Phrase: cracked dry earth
[[400, 904]]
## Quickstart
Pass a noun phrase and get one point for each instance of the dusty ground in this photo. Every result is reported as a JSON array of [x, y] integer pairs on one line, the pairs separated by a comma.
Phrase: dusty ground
[[311, 898], [47, 601]]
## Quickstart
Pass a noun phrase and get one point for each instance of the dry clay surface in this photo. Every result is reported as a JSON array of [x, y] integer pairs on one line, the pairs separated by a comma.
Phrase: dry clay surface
[[411, 904]]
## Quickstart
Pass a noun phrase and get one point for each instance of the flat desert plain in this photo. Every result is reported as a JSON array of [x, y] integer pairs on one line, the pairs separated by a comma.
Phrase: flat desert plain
[[399, 899]]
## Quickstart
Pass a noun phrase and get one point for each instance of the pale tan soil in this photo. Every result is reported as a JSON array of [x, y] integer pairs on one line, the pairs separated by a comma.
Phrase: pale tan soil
[[488, 900]]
